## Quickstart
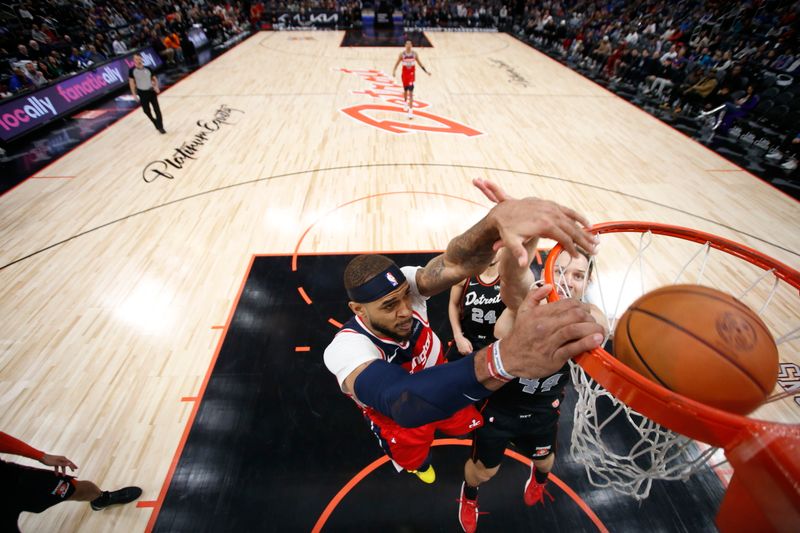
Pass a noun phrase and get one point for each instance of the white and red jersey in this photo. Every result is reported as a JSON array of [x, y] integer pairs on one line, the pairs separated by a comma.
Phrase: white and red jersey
[[408, 60], [355, 344]]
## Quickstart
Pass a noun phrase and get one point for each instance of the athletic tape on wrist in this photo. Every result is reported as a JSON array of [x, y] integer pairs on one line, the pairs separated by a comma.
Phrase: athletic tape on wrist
[[491, 366], [498, 362]]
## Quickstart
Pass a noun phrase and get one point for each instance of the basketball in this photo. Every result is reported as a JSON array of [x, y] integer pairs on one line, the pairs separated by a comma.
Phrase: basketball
[[701, 343]]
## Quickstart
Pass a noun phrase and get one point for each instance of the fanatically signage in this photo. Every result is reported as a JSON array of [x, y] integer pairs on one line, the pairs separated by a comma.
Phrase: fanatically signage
[[31, 110], [383, 87], [190, 149]]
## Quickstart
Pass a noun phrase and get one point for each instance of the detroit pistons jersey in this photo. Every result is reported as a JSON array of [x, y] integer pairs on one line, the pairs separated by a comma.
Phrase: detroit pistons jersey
[[355, 344], [523, 395], [480, 308]]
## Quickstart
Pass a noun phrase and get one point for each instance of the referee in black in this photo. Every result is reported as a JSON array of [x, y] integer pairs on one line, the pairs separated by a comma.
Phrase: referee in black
[[144, 87]]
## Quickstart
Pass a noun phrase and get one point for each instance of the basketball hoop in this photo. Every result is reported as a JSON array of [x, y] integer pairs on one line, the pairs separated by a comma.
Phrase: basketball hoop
[[662, 426]]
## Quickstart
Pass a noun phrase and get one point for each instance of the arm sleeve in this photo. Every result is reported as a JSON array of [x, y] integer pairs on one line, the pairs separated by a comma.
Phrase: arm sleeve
[[130, 73], [414, 400], [348, 351], [9, 444]]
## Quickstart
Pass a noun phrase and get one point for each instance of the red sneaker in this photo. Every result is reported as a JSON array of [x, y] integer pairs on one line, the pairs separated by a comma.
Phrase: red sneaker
[[535, 492], [467, 513]]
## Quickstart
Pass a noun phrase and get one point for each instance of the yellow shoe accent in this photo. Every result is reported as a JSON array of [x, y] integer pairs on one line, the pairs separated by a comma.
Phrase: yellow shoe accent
[[427, 476]]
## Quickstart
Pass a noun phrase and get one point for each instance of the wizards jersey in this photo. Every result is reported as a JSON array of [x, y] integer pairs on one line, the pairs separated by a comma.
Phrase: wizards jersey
[[355, 344], [408, 60], [422, 350]]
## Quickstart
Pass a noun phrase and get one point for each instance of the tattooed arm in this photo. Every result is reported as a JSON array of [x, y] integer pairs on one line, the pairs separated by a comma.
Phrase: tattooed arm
[[512, 224], [467, 255]]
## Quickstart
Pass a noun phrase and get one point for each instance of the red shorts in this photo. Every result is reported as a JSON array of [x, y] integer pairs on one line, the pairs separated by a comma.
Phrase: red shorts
[[409, 447], [408, 78]]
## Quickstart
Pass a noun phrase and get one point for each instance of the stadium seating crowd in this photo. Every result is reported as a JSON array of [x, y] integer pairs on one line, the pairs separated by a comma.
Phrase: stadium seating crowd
[[730, 67]]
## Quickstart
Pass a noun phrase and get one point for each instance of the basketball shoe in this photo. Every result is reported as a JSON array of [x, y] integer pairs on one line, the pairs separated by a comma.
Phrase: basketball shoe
[[467, 512], [535, 492], [114, 497], [426, 476]]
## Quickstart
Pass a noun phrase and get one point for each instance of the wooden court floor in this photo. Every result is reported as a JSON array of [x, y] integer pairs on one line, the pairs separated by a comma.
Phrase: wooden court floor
[[120, 266]]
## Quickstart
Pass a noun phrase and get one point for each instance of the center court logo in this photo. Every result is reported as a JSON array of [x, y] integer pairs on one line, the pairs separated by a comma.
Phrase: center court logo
[[382, 86]]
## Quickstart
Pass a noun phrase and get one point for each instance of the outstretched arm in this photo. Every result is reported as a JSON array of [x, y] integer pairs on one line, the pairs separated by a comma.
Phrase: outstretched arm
[[515, 279], [14, 446], [515, 282], [511, 224], [542, 339]]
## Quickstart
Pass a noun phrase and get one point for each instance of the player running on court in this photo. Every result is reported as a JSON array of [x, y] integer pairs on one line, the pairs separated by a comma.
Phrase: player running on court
[[410, 59]]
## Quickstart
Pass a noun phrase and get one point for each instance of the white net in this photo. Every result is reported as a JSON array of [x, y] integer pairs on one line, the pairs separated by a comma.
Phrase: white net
[[620, 448], [650, 451]]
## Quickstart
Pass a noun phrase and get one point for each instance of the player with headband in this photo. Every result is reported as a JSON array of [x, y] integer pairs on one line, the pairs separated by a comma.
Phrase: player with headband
[[390, 362]]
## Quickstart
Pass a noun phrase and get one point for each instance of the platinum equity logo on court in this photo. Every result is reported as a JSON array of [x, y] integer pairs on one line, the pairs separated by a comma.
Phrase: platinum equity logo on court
[[189, 150]]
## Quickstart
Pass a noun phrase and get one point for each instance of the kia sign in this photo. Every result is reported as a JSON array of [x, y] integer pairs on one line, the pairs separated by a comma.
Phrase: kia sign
[[32, 110]]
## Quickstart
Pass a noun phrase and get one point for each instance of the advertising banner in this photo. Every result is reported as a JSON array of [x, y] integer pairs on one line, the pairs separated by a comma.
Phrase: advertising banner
[[37, 108]]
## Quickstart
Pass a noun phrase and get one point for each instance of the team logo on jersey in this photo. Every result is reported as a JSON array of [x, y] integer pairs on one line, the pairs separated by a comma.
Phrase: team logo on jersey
[[383, 86], [475, 423], [555, 403], [422, 358], [473, 298], [541, 451], [61, 489], [392, 279]]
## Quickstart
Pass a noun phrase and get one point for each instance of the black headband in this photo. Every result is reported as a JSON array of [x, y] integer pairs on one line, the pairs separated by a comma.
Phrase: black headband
[[378, 287]]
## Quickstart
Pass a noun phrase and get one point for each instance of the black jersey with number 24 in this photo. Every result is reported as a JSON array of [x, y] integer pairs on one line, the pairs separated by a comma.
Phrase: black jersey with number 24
[[480, 308]]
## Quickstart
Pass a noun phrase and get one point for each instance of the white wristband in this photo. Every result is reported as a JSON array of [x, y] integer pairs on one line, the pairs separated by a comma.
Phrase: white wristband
[[498, 362]]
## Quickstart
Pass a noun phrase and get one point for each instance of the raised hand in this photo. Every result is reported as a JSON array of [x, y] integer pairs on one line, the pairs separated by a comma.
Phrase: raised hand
[[519, 221], [545, 337], [491, 190]]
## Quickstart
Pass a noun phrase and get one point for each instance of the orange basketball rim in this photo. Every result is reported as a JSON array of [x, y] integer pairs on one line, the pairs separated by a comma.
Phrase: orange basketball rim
[[764, 492]]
